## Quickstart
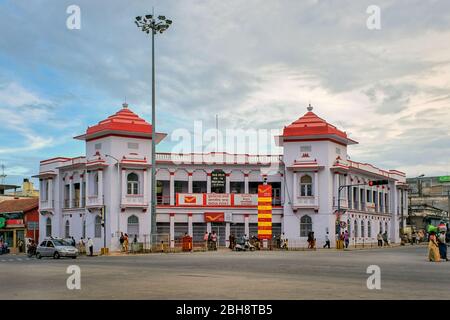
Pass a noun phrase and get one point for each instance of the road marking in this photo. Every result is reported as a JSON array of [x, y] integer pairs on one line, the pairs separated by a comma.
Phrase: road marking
[[20, 259], [11, 259], [3, 260]]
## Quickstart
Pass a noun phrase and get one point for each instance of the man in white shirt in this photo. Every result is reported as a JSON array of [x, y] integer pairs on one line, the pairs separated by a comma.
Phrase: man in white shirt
[[90, 246], [327, 241]]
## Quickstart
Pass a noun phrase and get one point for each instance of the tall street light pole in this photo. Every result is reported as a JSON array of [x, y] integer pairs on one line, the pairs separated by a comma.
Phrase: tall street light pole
[[147, 24]]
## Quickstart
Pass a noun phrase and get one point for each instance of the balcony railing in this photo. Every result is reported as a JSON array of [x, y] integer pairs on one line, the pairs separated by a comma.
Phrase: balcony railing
[[46, 204], [134, 200], [94, 200]]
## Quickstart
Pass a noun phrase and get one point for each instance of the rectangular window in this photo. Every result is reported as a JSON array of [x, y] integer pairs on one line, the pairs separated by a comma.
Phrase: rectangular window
[[133, 145], [338, 151], [98, 146], [305, 148]]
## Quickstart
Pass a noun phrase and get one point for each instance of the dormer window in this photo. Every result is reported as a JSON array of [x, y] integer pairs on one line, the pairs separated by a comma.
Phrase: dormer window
[[305, 148], [306, 186]]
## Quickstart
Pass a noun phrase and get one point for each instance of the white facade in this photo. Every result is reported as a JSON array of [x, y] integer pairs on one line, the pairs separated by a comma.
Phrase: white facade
[[305, 183]]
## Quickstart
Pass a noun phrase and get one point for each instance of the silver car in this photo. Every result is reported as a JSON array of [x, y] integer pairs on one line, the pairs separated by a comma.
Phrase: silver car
[[56, 248]]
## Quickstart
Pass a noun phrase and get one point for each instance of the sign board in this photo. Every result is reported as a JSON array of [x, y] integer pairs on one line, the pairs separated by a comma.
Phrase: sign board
[[245, 199], [444, 179], [217, 178], [228, 216], [214, 217], [264, 211], [33, 225], [2, 222], [187, 199], [218, 199], [14, 221]]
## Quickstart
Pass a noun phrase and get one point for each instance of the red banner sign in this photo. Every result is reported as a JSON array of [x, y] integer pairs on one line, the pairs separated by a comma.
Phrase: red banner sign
[[214, 216], [14, 221]]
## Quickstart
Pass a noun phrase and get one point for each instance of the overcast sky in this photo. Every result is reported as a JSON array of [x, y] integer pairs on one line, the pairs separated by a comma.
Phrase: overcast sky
[[257, 64]]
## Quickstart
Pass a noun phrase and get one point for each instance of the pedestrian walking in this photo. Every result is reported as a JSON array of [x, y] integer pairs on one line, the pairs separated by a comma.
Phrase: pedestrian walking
[[125, 243], [82, 246], [433, 248], [74, 243], [214, 240], [205, 238], [346, 238], [380, 239], [90, 246], [413, 238], [231, 240], [327, 241], [121, 240], [442, 246], [283, 244], [385, 238]]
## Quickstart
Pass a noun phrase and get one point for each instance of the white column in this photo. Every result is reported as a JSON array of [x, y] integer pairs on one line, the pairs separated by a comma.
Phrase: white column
[[247, 227], [124, 186], [80, 205], [50, 193], [336, 188], [172, 231], [70, 193], [190, 183], [172, 189], [208, 227], [227, 234], [208, 183], [87, 186], [227, 183], [246, 183], [294, 188], [316, 188], [144, 189], [100, 186], [358, 198], [190, 226]]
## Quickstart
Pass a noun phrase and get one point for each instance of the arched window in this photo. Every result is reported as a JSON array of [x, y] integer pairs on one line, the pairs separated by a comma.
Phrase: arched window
[[362, 229], [133, 226], [386, 227], [381, 227], [132, 183], [356, 228], [98, 227], [48, 227], [369, 229], [305, 226], [67, 233], [349, 227], [306, 186]]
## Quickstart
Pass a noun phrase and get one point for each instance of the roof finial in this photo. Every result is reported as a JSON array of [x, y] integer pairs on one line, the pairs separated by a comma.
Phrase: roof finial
[[125, 105], [310, 108]]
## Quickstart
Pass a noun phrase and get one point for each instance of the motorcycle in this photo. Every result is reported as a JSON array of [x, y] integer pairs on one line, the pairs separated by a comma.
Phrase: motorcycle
[[244, 246], [31, 250]]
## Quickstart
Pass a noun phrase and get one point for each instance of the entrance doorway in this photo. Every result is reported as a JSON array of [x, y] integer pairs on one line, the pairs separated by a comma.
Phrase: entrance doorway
[[219, 228]]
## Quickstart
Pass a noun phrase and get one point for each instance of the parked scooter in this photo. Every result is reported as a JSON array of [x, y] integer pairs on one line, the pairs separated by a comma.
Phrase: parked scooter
[[244, 245]]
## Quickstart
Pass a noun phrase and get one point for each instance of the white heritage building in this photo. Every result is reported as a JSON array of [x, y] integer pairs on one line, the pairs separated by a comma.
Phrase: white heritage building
[[216, 191]]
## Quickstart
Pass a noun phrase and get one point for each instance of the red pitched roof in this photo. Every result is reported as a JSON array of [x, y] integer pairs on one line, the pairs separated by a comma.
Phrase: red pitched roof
[[311, 125], [19, 205], [124, 120]]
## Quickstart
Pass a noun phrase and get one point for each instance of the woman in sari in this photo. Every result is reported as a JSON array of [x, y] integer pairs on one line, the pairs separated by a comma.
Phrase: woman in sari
[[433, 248]]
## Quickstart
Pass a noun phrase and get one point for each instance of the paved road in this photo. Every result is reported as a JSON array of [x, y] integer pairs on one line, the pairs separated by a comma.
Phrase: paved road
[[405, 274]]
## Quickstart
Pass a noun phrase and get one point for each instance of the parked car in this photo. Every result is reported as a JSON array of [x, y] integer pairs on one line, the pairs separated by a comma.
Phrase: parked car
[[56, 248]]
